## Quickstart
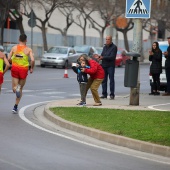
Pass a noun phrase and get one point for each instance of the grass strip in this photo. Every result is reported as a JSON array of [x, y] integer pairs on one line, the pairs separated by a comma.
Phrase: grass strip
[[150, 126]]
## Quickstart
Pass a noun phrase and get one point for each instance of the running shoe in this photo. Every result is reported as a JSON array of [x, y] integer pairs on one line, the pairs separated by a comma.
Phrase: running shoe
[[82, 104], [15, 110]]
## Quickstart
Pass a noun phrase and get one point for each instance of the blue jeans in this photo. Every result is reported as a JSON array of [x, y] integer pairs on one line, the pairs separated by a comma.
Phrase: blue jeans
[[109, 71], [167, 71]]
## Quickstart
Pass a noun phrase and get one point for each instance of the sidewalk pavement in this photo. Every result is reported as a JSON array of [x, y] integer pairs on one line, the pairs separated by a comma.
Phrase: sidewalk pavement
[[146, 102]]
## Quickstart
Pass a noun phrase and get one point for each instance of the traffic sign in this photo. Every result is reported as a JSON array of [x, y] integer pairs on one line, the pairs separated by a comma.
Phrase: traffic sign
[[32, 23], [138, 8]]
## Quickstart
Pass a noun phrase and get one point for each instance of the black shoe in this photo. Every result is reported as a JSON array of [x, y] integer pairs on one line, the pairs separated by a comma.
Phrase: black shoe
[[157, 93], [112, 97], [103, 97], [152, 93]]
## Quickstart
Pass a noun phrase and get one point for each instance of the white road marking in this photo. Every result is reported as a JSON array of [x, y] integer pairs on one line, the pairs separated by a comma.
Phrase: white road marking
[[61, 78], [58, 97], [22, 116], [7, 80], [27, 91], [12, 164], [53, 92], [152, 107], [3, 88]]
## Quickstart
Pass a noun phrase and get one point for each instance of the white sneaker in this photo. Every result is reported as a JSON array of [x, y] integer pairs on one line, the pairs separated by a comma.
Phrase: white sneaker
[[18, 93]]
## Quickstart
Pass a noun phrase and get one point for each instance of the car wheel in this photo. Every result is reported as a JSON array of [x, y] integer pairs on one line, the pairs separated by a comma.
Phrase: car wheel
[[42, 65], [65, 65]]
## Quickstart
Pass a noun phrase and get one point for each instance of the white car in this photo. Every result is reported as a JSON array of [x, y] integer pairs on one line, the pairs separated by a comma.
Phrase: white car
[[163, 45], [58, 56]]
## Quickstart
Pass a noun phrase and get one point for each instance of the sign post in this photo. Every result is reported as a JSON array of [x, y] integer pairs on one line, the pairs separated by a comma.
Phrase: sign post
[[137, 9], [32, 22]]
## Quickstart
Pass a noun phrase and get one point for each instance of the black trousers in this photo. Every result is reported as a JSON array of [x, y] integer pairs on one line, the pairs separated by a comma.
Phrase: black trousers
[[167, 70], [156, 82]]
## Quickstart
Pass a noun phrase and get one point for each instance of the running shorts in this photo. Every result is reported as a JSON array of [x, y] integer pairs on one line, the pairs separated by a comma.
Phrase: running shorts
[[18, 72], [1, 78]]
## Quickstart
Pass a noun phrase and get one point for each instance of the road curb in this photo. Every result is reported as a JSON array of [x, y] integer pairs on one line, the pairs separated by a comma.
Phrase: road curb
[[107, 137]]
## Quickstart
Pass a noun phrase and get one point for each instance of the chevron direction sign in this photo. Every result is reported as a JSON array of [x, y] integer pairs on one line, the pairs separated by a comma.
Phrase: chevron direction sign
[[138, 8]]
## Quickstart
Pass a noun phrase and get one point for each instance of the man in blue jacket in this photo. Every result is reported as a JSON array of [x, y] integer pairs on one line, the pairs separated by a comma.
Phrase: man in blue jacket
[[108, 57]]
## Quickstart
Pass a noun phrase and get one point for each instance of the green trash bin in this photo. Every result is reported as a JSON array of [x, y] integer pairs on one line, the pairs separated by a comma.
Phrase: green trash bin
[[131, 70]]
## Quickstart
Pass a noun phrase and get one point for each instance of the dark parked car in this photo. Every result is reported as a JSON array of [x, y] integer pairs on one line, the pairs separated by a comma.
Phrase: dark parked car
[[99, 50], [1, 48], [8, 48], [83, 49]]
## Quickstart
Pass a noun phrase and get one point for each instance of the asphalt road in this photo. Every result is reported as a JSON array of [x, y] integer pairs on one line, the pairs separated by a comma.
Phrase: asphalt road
[[25, 147]]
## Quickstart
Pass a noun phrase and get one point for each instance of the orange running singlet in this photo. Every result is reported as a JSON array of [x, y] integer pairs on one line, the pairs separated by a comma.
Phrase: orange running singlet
[[20, 63]]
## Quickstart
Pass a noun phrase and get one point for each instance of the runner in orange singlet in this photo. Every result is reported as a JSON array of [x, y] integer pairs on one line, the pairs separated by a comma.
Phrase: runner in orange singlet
[[19, 56], [2, 70]]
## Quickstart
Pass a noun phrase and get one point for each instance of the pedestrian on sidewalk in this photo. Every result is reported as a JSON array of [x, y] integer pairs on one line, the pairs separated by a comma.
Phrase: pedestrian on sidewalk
[[167, 68], [82, 79], [3, 60], [108, 57], [96, 73], [19, 56], [155, 57]]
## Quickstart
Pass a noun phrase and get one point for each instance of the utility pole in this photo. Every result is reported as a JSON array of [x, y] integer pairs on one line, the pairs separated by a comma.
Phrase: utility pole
[[137, 47], [137, 9], [31, 24]]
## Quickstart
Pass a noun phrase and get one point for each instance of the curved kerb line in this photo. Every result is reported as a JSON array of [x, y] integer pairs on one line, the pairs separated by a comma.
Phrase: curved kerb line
[[152, 107], [22, 116]]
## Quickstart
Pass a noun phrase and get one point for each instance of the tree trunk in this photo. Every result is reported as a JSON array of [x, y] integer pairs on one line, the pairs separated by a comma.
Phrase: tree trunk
[[101, 40], [2, 33], [84, 36], [44, 37], [65, 43], [20, 25], [84, 32]]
